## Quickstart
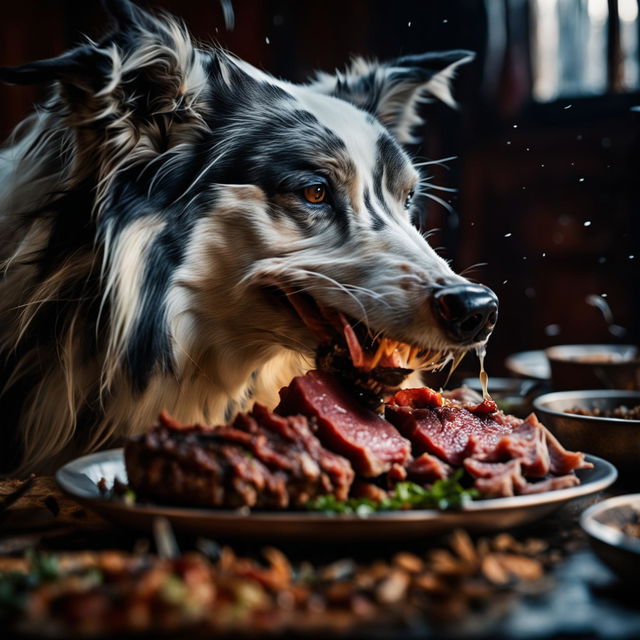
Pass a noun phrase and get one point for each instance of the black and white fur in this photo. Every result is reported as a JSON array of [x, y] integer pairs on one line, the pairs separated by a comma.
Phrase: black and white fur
[[150, 201]]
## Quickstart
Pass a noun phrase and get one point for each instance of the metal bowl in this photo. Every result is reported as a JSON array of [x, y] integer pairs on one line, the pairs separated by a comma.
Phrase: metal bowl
[[614, 439], [594, 366], [603, 523]]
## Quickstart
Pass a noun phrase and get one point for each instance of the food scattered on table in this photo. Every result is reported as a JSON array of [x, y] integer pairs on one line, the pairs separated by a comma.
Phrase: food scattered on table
[[322, 446], [622, 412], [218, 592]]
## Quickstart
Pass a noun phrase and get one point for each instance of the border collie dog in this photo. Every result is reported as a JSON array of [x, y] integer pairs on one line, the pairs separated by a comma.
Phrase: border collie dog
[[172, 218]]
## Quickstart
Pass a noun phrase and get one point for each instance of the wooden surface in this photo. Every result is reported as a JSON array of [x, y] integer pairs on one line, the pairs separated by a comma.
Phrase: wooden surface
[[44, 517]]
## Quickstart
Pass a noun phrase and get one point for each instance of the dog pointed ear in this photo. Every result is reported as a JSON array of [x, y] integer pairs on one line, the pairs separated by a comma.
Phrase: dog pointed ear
[[68, 68], [392, 91]]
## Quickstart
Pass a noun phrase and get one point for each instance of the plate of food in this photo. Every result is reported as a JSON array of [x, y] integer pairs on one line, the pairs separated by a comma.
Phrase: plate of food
[[324, 466]]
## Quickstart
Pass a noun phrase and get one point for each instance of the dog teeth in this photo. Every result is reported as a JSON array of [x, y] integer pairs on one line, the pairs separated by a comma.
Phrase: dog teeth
[[378, 354], [390, 346], [413, 352], [431, 361], [403, 351]]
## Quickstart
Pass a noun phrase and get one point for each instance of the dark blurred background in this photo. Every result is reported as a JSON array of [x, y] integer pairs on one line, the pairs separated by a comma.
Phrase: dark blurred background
[[540, 198]]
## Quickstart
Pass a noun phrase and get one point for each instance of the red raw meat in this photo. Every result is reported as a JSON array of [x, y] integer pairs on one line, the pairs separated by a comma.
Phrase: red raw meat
[[496, 479], [426, 469], [502, 453], [527, 443], [563, 461], [553, 483], [343, 425], [424, 397], [452, 434]]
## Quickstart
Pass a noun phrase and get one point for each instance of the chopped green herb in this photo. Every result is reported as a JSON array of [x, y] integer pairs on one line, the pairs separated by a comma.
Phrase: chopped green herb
[[443, 494]]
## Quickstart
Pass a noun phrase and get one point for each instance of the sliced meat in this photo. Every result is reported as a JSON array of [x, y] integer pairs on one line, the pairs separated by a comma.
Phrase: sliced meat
[[563, 461], [449, 433], [368, 490], [527, 443], [554, 483], [426, 469], [461, 398], [496, 479], [502, 453], [261, 460], [396, 474], [197, 467], [298, 443], [343, 425]]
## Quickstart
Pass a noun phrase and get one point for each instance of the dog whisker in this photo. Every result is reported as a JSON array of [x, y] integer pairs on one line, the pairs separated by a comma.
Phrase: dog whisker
[[440, 162]]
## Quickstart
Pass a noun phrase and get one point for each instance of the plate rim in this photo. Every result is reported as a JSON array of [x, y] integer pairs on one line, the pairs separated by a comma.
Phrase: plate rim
[[605, 533], [472, 508], [528, 374]]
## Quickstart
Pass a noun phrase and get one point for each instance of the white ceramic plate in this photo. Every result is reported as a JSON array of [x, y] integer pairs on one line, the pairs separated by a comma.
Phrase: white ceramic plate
[[79, 477]]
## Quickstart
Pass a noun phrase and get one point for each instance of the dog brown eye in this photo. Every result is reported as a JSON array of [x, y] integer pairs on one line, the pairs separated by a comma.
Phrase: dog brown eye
[[315, 193], [407, 202]]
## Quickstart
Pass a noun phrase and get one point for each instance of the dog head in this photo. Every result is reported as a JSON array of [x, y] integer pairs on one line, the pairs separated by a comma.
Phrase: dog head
[[235, 214]]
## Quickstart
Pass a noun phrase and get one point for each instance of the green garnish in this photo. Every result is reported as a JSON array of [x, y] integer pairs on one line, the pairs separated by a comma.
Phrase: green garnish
[[443, 494]]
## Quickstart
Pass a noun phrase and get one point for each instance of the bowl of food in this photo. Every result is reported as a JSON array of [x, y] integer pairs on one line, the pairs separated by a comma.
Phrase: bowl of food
[[613, 527], [604, 422], [594, 366]]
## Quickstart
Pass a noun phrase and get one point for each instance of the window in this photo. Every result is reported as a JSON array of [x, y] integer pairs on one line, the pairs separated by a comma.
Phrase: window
[[584, 47]]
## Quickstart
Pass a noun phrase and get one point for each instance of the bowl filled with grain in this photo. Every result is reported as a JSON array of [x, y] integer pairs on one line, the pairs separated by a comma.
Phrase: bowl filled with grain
[[613, 527], [603, 422]]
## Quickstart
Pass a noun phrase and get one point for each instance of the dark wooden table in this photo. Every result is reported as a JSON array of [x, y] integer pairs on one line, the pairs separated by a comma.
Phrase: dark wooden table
[[583, 598]]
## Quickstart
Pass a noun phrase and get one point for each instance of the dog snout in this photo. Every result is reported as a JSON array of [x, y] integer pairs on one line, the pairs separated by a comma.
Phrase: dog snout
[[466, 312]]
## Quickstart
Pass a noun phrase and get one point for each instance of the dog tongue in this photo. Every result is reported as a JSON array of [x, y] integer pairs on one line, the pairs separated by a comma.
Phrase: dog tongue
[[310, 315], [353, 344]]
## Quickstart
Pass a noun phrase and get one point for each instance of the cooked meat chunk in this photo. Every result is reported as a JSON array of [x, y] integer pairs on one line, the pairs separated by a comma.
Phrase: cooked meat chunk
[[261, 460], [371, 444], [504, 455]]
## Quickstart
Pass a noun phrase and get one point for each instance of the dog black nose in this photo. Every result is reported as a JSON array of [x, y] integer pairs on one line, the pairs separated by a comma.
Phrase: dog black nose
[[467, 312]]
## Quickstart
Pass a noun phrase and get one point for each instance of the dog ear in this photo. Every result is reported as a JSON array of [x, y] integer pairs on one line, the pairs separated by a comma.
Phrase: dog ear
[[392, 91], [68, 67]]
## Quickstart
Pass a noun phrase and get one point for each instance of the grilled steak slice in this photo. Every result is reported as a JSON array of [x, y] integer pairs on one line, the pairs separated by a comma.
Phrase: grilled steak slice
[[561, 460], [261, 460], [198, 467], [371, 444], [553, 483], [527, 443], [426, 469], [496, 479], [501, 453], [451, 434]]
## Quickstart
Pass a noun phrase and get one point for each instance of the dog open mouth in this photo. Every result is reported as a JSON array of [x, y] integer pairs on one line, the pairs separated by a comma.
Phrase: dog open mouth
[[372, 364]]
